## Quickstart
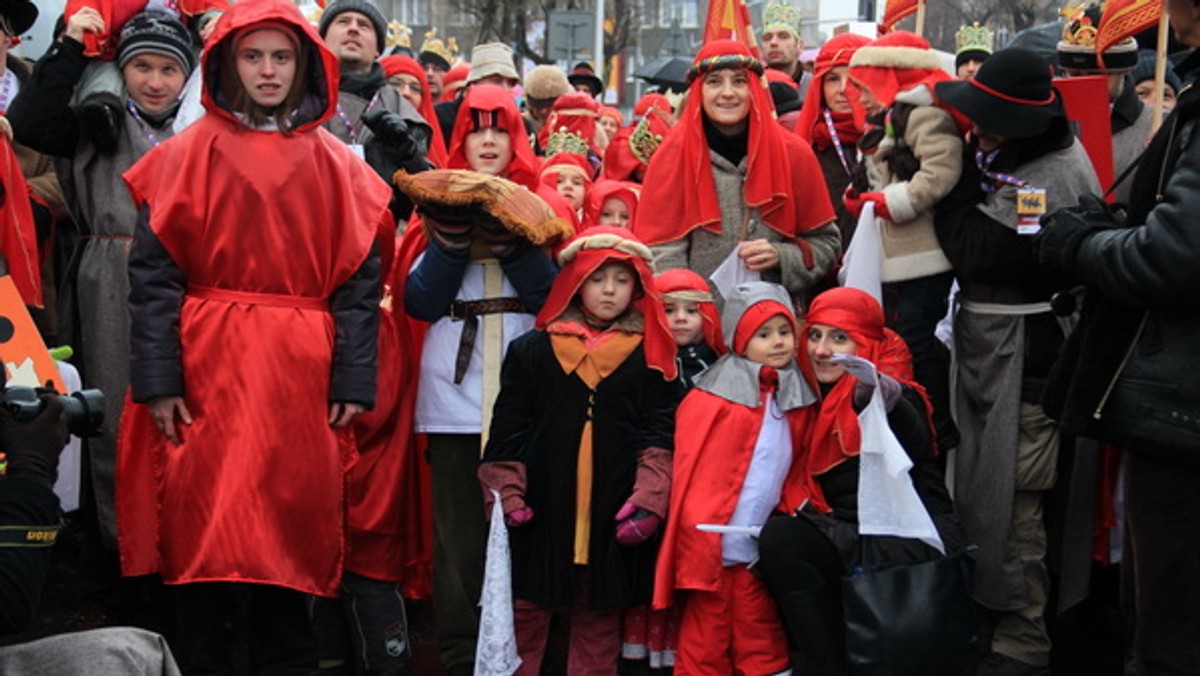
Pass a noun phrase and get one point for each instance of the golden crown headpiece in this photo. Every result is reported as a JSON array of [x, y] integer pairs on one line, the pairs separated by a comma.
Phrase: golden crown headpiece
[[447, 49], [1082, 23], [643, 142], [566, 141], [974, 38], [778, 14], [399, 35]]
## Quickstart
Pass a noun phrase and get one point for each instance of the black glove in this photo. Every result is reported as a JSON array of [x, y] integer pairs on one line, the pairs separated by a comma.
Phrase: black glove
[[33, 446], [1056, 247], [394, 138], [503, 243], [450, 226]]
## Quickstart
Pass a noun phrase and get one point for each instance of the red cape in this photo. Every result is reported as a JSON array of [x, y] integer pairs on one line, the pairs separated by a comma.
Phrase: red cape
[[714, 442]]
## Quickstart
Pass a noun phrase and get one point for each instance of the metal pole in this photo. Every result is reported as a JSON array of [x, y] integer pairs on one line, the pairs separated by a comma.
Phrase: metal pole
[[598, 48]]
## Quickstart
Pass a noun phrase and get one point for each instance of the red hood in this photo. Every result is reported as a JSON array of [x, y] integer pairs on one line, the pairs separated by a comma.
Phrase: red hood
[[319, 103]]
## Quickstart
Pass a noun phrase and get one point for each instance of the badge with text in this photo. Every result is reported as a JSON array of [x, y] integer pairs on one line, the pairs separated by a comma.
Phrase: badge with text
[[1031, 206]]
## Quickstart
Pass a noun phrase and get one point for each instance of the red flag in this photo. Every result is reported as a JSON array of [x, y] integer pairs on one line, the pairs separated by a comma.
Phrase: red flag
[[1086, 101], [895, 10], [1123, 19], [730, 20]]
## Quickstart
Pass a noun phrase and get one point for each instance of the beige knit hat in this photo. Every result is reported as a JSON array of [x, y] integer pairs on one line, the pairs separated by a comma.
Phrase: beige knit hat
[[546, 83], [492, 58]]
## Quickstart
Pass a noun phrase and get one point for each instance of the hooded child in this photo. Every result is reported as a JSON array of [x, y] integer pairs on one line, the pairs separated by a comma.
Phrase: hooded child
[[597, 377], [738, 432], [460, 272], [203, 452]]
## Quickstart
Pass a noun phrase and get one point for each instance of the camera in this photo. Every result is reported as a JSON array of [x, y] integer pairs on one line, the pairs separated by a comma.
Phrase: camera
[[83, 410]]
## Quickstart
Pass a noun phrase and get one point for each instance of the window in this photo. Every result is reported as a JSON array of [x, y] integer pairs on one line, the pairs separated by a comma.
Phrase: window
[[684, 11], [411, 12]]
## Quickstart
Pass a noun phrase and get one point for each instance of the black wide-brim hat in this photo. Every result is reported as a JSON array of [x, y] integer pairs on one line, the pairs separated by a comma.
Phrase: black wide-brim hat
[[583, 75], [1011, 96], [20, 14]]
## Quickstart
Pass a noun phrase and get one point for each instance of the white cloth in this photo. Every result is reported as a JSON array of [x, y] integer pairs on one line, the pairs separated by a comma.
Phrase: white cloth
[[732, 272], [762, 486], [443, 407], [862, 267], [190, 107], [496, 647], [888, 503], [70, 461]]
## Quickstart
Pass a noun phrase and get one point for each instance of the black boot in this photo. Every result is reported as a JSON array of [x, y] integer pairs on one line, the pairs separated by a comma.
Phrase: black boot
[[814, 623]]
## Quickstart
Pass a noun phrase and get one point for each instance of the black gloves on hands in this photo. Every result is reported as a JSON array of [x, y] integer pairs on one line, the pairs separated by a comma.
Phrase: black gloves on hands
[[34, 446], [504, 244], [1056, 247]]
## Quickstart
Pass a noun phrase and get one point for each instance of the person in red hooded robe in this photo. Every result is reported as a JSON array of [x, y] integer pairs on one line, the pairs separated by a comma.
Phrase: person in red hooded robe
[[443, 275], [729, 178], [248, 367]]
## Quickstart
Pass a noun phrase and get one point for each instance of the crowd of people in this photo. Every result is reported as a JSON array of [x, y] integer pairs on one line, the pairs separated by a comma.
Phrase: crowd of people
[[344, 303]]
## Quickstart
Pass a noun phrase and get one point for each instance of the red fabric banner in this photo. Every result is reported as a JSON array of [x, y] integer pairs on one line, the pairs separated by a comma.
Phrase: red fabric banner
[[1123, 19], [895, 10], [19, 241], [730, 20]]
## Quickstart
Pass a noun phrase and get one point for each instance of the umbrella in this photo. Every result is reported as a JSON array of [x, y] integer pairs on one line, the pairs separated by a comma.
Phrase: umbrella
[[666, 71]]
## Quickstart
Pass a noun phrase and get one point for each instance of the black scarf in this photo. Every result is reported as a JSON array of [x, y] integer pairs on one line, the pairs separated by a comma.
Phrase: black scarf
[[730, 146], [361, 85]]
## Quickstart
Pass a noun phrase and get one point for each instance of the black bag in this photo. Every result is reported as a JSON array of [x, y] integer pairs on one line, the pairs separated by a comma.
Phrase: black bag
[[911, 619]]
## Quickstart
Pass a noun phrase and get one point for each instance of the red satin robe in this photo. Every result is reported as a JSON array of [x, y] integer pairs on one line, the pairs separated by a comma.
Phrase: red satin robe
[[265, 227]]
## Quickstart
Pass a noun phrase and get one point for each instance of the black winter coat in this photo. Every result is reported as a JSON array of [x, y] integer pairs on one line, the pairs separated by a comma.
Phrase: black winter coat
[[1127, 374], [538, 420]]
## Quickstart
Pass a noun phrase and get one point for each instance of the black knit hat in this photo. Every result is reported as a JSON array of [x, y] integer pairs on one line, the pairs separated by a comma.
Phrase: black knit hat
[[1011, 96], [18, 15], [1145, 70], [364, 7], [153, 32]]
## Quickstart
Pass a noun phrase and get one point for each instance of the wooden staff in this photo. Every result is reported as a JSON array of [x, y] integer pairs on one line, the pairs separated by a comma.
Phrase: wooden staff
[[1160, 67], [920, 28]]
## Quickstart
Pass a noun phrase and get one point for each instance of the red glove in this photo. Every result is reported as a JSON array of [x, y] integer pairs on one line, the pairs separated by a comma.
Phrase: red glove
[[854, 203], [508, 479], [636, 525], [518, 517]]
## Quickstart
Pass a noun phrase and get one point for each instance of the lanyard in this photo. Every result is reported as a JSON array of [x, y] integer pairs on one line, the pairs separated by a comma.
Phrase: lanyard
[[142, 123], [346, 118], [837, 142], [984, 161]]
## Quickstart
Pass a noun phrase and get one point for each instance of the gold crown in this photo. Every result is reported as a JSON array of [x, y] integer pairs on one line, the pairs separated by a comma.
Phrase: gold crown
[[778, 14], [643, 142], [1082, 23], [974, 38], [448, 50], [399, 35], [565, 141]]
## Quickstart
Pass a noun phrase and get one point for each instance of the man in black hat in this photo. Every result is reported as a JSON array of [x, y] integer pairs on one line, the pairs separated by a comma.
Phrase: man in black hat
[[583, 78], [1022, 159], [1127, 375]]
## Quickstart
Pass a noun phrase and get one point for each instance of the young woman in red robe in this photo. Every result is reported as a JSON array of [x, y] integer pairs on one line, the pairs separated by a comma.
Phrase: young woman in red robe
[[255, 275]]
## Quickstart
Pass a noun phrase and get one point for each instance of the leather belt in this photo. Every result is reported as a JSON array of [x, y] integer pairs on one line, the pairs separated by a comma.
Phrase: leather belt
[[468, 312]]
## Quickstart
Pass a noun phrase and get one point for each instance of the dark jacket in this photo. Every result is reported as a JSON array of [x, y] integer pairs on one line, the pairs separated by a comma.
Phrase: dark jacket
[[41, 115], [26, 504], [1127, 373], [539, 420], [839, 485], [158, 286]]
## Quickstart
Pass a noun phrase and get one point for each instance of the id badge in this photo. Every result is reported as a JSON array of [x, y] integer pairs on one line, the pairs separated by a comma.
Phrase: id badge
[[1031, 206], [358, 151]]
